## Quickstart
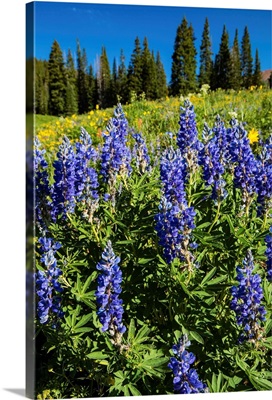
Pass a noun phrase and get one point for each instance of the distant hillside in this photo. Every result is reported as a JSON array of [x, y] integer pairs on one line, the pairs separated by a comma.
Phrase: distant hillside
[[266, 74]]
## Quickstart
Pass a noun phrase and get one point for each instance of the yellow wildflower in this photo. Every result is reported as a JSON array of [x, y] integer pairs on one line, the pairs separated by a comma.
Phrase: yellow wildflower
[[253, 135]]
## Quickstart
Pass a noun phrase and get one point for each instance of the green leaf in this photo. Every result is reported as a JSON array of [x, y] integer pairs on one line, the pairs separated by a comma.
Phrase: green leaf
[[83, 321], [131, 330], [196, 336], [208, 276], [97, 355], [217, 280], [134, 390], [260, 383]]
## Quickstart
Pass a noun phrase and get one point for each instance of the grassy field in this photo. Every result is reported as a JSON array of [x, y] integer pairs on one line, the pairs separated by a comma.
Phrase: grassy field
[[154, 118]]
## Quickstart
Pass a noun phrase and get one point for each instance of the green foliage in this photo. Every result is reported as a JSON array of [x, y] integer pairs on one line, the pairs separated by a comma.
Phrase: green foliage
[[205, 70], [246, 60], [183, 72], [56, 81]]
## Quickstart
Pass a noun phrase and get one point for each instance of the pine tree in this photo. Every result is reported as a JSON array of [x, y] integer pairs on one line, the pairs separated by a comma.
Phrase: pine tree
[[148, 72], [135, 70], [71, 104], [104, 80], [235, 64], [205, 70], [257, 76], [82, 80], [246, 60], [92, 94], [122, 81], [183, 74], [57, 87], [221, 68], [41, 89], [161, 78]]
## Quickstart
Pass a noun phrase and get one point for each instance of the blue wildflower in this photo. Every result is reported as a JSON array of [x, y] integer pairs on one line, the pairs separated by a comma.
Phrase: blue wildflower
[[246, 299], [175, 221], [264, 179], [42, 190], [86, 179], [187, 137], [210, 158], [186, 379], [64, 190], [47, 283], [110, 310], [140, 153], [268, 253], [246, 166]]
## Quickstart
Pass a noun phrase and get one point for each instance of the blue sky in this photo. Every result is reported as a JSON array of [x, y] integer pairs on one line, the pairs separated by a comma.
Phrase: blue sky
[[116, 27]]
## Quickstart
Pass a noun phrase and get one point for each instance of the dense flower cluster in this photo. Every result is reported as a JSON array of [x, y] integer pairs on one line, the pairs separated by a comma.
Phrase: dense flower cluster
[[47, 283], [246, 167], [64, 191], [86, 179], [186, 379], [42, 189], [268, 253], [246, 299], [187, 137], [115, 155], [264, 179], [140, 153], [212, 161], [175, 221], [107, 295]]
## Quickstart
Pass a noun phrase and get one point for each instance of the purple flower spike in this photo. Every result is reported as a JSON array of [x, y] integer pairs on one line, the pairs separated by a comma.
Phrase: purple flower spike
[[186, 379], [246, 300], [110, 310]]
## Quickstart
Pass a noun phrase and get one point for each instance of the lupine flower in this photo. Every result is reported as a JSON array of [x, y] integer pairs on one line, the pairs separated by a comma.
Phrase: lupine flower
[[141, 153], [268, 253], [47, 283], [210, 159], [246, 300], [64, 190], [110, 312], [42, 189], [186, 379], [264, 179], [175, 221], [86, 180], [246, 167], [187, 137], [115, 157]]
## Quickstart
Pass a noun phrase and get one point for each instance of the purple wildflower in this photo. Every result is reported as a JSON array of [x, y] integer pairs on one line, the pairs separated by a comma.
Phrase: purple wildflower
[[246, 299], [175, 221], [268, 253], [42, 189], [110, 310], [264, 179], [47, 284], [86, 180], [141, 153], [186, 379], [64, 190]]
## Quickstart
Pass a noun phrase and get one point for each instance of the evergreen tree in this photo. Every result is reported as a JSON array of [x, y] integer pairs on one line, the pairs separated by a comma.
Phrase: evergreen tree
[[104, 80], [235, 64], [92, 93], [148, 72], [183, 74], [161, 78], [41, 89], [246, 60], [56, 84], [82, 80], [222, 65], [122, 81], [71, 103], [135, 69], [257, 76], [205, 71]]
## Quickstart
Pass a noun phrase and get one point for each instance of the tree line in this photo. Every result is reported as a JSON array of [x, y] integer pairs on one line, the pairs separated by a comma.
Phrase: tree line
[[66, 86]]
